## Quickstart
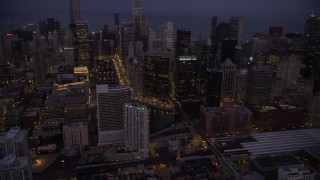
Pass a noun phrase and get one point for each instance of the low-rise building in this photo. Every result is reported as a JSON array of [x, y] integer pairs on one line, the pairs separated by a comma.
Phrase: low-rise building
[[268, 166], [30, 117], [76, 134], [225, 120], [278, 117]]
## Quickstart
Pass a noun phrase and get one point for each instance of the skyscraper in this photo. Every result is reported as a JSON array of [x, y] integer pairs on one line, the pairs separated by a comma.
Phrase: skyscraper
[[312, 27], [50, 24], [136, 128], [229, 79], [82, 47], [213, 87], [157, 76], [259, 83], [137, 18], [236, 28], [116, 19], [185, 78], [74, 11], [110, 101], [183, 42], [127, 38], [43, 29], [167, 36], [106, 72]]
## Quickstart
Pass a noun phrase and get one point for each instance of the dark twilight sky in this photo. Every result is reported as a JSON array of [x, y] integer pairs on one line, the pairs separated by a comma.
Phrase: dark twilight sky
[[193, 14]]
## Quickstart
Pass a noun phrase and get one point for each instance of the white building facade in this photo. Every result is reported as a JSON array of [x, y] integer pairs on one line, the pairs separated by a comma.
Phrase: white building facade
[[295, 172], [136, 128], [76, 134]]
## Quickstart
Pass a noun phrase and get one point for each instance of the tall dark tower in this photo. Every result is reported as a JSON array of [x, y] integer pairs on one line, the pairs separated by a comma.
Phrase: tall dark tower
[[50, 24], [312, 47], [75, 11], [236, 26], [137, 18], [312, 27], [116, 19], [183, 42], [213, 33]]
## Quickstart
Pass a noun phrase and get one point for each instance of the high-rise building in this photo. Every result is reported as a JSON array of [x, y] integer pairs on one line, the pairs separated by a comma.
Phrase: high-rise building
[[126, 39], [312, 62], [54, 107], [116, 19], [15, 168], [223, 31], [50, 24], [213, 33], [106, 72], [75, 134], [43, 30], [312, 27], [74, 11], [228, 49], [110, 101], [57, 26], [259, 83], [157, 76], [167, 36], [152, 40], [137, 18], [236, 29], [185, 78], [294, 172], [183, 42], [15, 142], [82, 46], [213, 85], [242, 83], [229, 79], [136, 128], [287, 73], [313, 111], [2, 57]]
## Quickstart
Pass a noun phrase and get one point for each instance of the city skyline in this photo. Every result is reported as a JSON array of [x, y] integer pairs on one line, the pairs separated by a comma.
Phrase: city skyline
[[196, 18]]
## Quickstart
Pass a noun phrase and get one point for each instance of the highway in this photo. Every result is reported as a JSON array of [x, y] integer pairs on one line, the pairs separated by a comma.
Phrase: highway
[[196, 131]]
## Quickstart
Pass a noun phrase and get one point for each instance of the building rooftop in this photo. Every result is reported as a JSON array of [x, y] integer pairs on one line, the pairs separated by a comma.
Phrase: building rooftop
[[13, 132], [10, 160], [70, 151], [30, 114], [313, 151], [280, 142], [295, 168], [275, 161], [136, 106]]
